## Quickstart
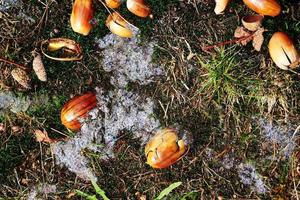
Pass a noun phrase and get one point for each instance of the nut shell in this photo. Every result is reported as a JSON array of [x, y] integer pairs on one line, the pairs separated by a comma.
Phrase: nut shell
[[113, 3], [282, 50], [118, 25], [166, 147], [76, 108], [21, 77], [82, 14], [220, 6], [138, 7], [252, 22], [264, 7]]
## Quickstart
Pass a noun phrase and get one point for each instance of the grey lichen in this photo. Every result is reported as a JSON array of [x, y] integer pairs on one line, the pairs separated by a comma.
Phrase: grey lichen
[[284, 137], [118, 110], [9, 101], [249, 176], [128, 61]]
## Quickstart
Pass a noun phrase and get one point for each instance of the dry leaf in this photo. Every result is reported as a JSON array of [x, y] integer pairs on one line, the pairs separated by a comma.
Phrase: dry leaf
[[42, 136], [258, 39], [39, 67], [241, 32], [21, 77]]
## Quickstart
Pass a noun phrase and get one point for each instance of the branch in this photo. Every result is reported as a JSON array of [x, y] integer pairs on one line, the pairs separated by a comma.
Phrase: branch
[[238, 40], [15, 64]]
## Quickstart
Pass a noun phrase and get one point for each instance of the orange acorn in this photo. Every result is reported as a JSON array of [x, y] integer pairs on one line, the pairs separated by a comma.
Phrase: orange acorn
[[76, 108], [118, 25], [81, 16], [167, 147], [138, 7], [264, 7], [283, 51], [113, 3]]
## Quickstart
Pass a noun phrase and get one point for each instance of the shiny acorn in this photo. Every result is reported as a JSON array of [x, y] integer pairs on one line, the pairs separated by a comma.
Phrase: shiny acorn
[[167, 147], [138, 7], [282, 50], [264, 7], [82, 14], [113, 3], [76, 108]]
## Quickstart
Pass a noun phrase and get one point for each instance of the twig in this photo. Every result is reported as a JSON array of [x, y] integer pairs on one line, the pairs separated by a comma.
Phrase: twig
[[15, 64], [289, 69], [238, 40]]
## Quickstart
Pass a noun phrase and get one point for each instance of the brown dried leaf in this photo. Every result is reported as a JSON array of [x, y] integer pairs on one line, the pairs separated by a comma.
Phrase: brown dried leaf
[[39, 67], [42, 136], [21, 77], [241, 32], [258, 39]]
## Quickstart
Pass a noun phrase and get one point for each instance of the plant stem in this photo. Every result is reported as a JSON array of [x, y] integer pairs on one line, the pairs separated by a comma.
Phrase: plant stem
[[15, 64], [238, 40]]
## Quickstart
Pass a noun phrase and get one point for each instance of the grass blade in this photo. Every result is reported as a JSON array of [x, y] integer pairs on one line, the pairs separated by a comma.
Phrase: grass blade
[[167, 190], [99, 191], [85, 195]]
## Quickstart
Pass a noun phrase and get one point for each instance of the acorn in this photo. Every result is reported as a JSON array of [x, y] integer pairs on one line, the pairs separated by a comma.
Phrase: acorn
[[283, 51], [139, 8], [220, 6], [113, 3], [82, 14], [118, 25], [167, 147], [264, 7], [77, 108]]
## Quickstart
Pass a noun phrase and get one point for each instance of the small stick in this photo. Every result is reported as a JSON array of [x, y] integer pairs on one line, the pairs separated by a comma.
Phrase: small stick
[[238, 40], [15, 64]]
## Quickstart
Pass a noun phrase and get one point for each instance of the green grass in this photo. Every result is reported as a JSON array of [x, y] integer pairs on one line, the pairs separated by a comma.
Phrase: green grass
[[221, 81], [97, 189]]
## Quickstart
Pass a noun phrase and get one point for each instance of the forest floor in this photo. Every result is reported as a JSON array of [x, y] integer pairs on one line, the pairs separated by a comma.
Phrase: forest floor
[[242, 110]]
